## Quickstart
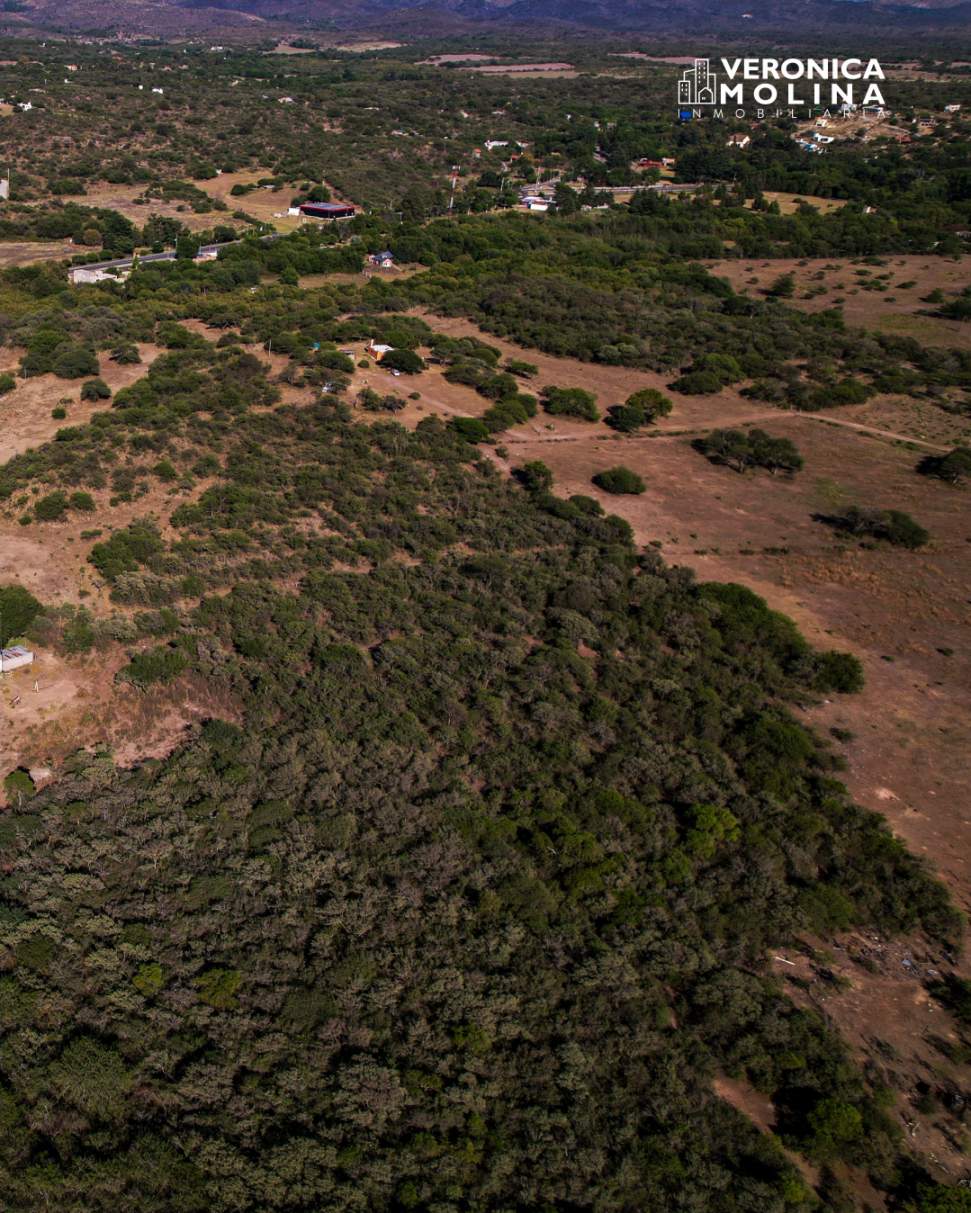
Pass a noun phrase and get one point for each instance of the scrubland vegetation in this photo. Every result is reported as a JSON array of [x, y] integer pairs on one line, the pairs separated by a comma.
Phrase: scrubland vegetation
[[471, 905]]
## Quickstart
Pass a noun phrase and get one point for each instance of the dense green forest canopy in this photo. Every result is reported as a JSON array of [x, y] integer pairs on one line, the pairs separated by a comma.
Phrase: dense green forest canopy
[[467, 903]]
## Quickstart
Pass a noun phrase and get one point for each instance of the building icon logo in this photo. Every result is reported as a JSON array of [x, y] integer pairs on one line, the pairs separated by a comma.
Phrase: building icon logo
[[697, 84]]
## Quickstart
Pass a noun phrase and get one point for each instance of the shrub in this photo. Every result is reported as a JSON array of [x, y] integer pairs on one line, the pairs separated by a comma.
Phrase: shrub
[[95, 389], [126, 354], [535, 477], [73, 361], [156, 665], [78, 635], [697, 383], [7, 383], [51, 507], [126, 551], [80, 500], [525, 370], [619, 480], [570, 402], [472, 429], [837, 671], [783, 287], [165, 470], [18, 786]]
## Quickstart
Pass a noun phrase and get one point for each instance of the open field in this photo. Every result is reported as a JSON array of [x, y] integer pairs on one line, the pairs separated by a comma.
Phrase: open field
[[26, 411], [887, 296], [28, 252], [59, 704], [128, 200], [562, 70], [266, 205], [789, 203]]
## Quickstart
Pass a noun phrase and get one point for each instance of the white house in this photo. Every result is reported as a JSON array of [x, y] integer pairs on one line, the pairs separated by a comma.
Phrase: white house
[[377, 350], [739, 140], [492, 144], [80, 274], [952, 109], [15, 657]]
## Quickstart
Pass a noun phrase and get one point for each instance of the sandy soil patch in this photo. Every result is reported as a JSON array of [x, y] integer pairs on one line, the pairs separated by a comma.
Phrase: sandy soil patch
[[267, 205], [610, 384], [58, 706], [677, 59]]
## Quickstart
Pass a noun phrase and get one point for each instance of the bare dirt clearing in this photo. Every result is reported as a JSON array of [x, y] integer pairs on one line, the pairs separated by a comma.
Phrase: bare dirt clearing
[[128, 200], [29, 252], [60, 704], [887, 296], [266, 205], [57, 706], [789, 203], [524, 69], [873, 992], [26, 411]]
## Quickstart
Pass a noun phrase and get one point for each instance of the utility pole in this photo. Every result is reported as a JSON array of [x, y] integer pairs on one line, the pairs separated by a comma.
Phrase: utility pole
[[455, 178]]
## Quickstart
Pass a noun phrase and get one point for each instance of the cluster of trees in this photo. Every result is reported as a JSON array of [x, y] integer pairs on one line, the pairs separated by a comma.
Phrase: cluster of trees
[[753, 448], [570, 402], [891, 526], [357, 991], [641, 408], [466, 899]]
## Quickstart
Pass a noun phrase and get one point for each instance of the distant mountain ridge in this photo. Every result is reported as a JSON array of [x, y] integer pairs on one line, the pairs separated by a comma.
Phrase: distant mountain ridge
[[416, 18]]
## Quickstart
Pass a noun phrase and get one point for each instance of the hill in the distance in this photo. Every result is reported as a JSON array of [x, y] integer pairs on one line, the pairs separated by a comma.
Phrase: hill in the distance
[[179, 18]]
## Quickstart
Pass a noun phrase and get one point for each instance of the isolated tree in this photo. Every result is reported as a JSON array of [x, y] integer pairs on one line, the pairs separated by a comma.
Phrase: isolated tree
[[406, 361]]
